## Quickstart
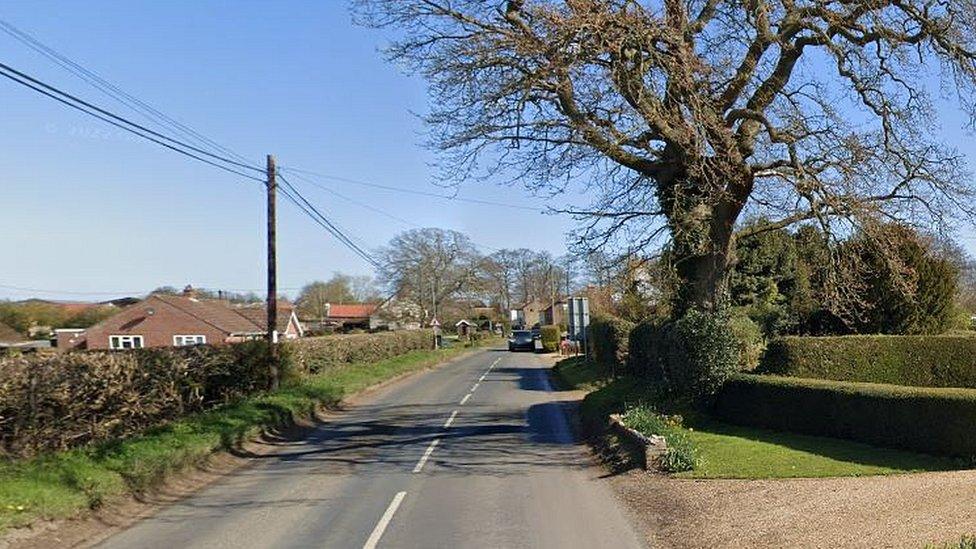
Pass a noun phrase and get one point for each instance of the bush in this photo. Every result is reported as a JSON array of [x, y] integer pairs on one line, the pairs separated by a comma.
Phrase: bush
[[550, 336], [609, 337], [61, 400], [699, 353], [644, 350], [928, 420], [749, 341], [317, 354], [921, 361], [55, 401]]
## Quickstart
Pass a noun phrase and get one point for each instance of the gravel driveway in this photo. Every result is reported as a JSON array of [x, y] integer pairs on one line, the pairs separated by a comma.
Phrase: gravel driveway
[[889, 511]]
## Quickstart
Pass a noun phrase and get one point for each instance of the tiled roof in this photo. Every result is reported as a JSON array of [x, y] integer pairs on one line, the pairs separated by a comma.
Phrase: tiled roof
[[9, 335], [352, 310], [259, 315], [218, 314]]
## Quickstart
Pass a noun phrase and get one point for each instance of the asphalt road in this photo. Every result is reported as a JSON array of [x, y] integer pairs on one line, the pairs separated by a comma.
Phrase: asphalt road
[[475, 454]]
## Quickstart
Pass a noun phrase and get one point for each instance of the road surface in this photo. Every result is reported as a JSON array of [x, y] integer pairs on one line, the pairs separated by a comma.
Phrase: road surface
[[478, 453]]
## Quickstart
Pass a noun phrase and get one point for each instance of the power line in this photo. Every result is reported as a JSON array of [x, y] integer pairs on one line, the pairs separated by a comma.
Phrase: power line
[[290, 192], [112, 90], [381, 211], [110, 118], [413, 191]]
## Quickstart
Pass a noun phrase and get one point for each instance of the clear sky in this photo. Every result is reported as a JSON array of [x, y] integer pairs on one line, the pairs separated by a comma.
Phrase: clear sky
[[87, 208]]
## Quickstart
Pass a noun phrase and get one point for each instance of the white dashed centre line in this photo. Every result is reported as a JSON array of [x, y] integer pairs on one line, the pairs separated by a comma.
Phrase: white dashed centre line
[[426, 456], [450, 420], [374, 538], [465, 399]]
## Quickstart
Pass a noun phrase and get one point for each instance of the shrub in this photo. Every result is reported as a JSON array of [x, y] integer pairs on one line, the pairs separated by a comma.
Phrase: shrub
[[644, 348], [61, 400], [928, 420], [550, 336], [609, 338], [317, 354], [921, 361], [749, 341], [681, 454], [55, 401], [700, 352]]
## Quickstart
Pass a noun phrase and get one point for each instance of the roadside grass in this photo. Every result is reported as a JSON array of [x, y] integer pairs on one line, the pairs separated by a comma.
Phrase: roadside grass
[[65, 484], [579, 373], [730, 451]]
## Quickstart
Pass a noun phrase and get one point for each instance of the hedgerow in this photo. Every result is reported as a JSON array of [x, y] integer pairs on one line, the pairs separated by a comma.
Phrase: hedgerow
[[64, 400], [317, 354], [927, 420], [609, 338], [920, 361]]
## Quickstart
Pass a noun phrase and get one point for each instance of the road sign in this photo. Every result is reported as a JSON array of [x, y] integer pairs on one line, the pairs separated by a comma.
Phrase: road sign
[[435, 324]]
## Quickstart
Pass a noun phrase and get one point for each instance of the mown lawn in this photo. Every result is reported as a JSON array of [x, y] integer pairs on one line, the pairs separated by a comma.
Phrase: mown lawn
[[730, 451], [64, 484]]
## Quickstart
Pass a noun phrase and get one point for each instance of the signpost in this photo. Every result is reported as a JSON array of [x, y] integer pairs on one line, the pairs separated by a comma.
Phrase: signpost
[[579, 320], [437, 332]]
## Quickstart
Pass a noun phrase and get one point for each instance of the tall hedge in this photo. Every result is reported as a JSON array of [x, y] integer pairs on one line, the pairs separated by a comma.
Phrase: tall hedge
[[928, 420], [62, 400], [920, 361], [609, 337], [645, 347]]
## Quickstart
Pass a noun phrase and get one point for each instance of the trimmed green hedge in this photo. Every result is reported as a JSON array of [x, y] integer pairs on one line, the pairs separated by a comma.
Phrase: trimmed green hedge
[[317, 354], [609, 338], [919, 361], [646, 350], [550, 336], [929, 420]]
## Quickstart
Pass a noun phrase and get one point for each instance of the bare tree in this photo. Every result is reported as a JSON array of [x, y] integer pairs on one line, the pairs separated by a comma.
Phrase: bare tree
[[683, 115], [428, 266]]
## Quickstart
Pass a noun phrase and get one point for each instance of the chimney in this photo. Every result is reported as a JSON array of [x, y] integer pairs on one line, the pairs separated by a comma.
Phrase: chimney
[[189, 291]]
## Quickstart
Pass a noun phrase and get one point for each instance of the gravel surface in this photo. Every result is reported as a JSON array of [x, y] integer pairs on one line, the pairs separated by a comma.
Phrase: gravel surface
[[885, 511]]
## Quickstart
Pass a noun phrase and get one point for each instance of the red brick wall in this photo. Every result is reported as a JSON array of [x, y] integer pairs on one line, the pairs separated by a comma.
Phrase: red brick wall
[[157, 329]]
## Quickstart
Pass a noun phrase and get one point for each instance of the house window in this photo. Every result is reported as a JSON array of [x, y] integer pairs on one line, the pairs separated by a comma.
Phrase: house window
[[125, 342], [184, 340]]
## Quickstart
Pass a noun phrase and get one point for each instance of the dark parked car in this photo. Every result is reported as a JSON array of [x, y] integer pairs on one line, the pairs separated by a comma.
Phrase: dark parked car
[[521, 340]]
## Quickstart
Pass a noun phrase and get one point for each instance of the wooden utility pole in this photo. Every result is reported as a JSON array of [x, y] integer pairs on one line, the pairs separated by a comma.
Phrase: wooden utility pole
[[272, 274]]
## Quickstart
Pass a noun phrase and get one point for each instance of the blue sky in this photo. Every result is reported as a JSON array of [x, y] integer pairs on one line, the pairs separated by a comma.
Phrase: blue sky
[[88, 209], [90, 212]]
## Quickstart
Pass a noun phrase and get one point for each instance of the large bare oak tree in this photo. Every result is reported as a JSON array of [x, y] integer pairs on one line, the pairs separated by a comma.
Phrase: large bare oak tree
[[687, 115]]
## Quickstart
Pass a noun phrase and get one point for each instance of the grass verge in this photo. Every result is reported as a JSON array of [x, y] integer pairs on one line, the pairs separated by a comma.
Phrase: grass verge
[[728, 451], [66, 484]]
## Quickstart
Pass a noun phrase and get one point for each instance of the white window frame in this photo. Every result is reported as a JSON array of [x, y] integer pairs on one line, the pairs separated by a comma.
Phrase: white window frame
[[117, 342], [188, 340]]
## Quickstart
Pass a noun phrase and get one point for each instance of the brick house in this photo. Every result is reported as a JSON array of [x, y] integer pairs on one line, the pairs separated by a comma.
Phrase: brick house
[[163, 320]]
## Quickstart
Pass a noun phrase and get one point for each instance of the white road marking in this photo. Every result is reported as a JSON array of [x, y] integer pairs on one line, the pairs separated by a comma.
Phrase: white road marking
[[465, 399], [423, 460], [374, 538], [450, 420], [475, 387]]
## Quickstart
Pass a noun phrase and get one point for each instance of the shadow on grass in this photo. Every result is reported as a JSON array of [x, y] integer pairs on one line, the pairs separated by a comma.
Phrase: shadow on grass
[[753, 445], [733, 451]]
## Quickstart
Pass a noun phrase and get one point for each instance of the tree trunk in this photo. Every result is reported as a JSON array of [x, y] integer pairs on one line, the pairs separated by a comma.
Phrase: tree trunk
[[702, 231]]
